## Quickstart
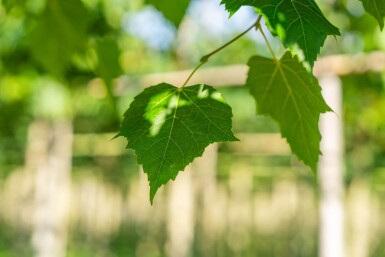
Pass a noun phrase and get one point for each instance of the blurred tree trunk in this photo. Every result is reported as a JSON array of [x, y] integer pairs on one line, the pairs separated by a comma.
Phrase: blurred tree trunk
[[48, 157]]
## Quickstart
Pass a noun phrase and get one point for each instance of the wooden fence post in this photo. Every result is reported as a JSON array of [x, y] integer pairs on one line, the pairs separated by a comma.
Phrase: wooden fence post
[[48, 157], [331, 172]]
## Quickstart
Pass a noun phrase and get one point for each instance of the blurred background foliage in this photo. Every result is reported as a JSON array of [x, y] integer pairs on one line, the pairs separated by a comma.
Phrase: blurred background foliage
[[82, 60]]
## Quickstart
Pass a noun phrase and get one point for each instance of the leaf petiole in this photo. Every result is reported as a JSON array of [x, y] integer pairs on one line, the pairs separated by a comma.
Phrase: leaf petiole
[[193, 72], [267, 42], [206, 57]]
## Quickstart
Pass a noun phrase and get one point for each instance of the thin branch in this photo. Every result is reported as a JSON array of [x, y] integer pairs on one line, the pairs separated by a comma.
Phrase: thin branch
[[192, 73], [206, 57]]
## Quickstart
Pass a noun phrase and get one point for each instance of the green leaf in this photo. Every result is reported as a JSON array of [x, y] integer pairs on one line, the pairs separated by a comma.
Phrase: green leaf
[[108, 53], [61, 30], [168, 127], [284, 90], [377, 9], [108, 68], [232, 6], [174, 10], [299, 24]]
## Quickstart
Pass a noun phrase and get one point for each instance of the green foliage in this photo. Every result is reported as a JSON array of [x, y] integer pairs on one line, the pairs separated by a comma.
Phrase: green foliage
[[61, 31], [283, 90], [72, 41], [168, 127], [108, 53], [299, 24], [233, 6], [174, 11], [377, 9]]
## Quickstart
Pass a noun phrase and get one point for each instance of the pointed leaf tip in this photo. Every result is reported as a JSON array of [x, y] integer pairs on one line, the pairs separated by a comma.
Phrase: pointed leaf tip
[[174, 11], [377, 9]]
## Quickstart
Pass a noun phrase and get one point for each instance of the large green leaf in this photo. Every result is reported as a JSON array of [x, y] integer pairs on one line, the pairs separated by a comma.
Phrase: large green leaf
[[284, 90], [300, 24], [172, 10], [377, 9], [61, 30], [168, 127]]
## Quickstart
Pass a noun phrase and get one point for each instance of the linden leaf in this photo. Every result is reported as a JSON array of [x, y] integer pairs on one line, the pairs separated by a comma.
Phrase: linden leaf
[[284, 90], [377, 9], [299, 24], [174, 11], [168, 127]]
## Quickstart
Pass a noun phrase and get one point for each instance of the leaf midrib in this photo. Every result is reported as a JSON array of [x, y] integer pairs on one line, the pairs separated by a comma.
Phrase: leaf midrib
[[168, 141]]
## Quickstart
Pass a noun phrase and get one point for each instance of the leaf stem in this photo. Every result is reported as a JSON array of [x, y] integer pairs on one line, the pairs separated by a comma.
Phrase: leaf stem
[[192, 73], [206, 57], [267, 42]]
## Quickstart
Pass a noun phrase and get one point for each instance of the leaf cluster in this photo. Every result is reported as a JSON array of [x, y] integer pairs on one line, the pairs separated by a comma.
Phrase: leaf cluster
[[168, 126]]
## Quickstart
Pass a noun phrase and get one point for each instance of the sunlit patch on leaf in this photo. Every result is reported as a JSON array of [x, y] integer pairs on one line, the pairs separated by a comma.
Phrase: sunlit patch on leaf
[[168, 127]]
